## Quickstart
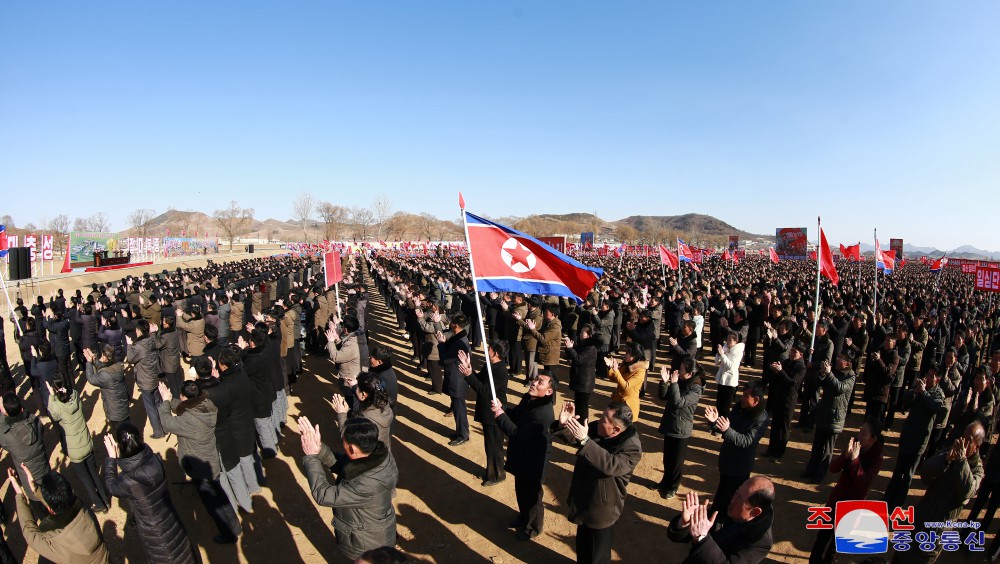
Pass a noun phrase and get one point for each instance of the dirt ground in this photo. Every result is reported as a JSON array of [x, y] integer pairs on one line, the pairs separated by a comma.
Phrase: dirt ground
[[444, 515]]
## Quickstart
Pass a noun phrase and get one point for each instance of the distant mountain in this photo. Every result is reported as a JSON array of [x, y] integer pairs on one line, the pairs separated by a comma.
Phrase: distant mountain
[[692, 225]]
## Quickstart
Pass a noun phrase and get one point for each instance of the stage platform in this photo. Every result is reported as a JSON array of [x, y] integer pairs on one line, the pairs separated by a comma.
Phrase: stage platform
[[117, 267]]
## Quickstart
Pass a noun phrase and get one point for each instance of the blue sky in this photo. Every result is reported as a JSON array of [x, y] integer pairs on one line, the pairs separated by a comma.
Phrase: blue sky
[[763, 114]]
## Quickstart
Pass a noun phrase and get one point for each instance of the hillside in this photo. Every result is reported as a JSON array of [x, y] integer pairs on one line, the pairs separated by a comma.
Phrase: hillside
[[693, 223]]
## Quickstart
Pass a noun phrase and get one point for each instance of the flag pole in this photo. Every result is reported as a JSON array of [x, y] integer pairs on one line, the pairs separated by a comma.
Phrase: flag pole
[[875, 285], [17, 326], [812, 344], [475, 296], [859, 267], [678, 288]]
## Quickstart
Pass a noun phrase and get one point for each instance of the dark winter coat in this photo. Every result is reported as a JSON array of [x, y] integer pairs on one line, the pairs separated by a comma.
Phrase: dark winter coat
[[169, 349], [601, 475], [480, 384], [258, 370], [21, 436], [740, 440], [361, 498], [682, 400], [114, 390], [784, 386], [193, 421], [454, 382], [831, 411], [924, 409], [144, 357], [235, 433], [143, 484], [729, 542], [529, 441], [583, 364]]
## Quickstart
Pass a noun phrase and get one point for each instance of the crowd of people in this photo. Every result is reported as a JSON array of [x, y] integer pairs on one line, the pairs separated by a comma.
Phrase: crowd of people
[[216, 352]]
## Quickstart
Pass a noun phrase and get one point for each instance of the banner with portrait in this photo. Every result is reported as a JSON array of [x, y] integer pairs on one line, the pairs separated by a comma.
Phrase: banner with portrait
[[791, 243]]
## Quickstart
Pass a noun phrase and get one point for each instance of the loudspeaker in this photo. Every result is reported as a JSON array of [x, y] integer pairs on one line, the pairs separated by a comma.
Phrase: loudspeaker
[[19, 259], [250, 249]]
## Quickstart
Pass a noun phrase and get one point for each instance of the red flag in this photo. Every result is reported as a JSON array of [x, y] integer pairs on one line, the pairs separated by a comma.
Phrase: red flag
[[852, 252], [774, 255], [461, 200], [331, 268], [668, 258], [826, 266], [725, 255], [812, 255]]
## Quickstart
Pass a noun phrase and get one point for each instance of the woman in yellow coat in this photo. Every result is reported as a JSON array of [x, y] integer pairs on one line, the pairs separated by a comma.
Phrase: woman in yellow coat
[[629, 377]]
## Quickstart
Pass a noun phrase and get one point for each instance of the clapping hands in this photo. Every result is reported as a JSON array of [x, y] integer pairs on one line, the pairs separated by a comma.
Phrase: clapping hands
[[339, 404], [312, 443], [464, 363]]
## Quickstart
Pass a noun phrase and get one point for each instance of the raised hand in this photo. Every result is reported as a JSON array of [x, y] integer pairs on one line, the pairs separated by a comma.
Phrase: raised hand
[[530, 324], [439, 336], [15, 481], [567, 412], [665, 374], [577, 429], [111, 445], [568, 342], [464, 363], [712, 414], [701, 522], [688, 506], [165, 393], [311, 441], [339, 404], [722, 424]]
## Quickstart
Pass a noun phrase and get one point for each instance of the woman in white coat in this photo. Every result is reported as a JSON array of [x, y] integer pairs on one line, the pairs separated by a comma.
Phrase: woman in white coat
[[728, 358]]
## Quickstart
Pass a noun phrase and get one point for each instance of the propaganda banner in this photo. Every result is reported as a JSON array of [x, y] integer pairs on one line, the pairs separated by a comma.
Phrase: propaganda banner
[[734, 243], [557, 243], [897, 246], [47, 244], [83, 245], [587, 240], [987, 278], [791, 243]]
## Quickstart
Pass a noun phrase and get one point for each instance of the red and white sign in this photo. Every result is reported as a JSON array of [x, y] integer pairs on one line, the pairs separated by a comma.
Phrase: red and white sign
[[988, 279], [47, 242], [31, 241]]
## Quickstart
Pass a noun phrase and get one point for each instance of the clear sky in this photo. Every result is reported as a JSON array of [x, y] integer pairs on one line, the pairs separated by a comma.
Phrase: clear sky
[[872, 113]]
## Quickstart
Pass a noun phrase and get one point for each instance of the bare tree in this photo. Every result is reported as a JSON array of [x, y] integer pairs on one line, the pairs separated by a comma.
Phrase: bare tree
[[234, 221], [626, 233], [334, 217], [59, 225], [138, 222], [362, 219], [7, 221], [382, 210], [30, 226], [81, 224], [99, 222], [424, 225], [302, 210], [185, 218]]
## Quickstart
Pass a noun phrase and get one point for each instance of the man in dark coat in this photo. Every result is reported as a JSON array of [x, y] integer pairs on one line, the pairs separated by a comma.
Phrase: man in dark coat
[[785, 378], [683, 346], [529, 443], [583, 358], [492, 435], [899, 384], [831, 412], [608, 451], [258, 371], [741, 433], [230, 390], [454, 383], [822, 352], [926, 400], [742, 534], [681, 389], [879, 373]]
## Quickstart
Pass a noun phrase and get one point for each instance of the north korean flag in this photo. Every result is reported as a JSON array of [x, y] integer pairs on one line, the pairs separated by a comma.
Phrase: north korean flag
[[684, 251], [3, 241], [507, 260], [936, 265]]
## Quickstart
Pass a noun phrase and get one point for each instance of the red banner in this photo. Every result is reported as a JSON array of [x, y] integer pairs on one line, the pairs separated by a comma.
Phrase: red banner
[[331, 268], [557, 243], [988, 279]]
